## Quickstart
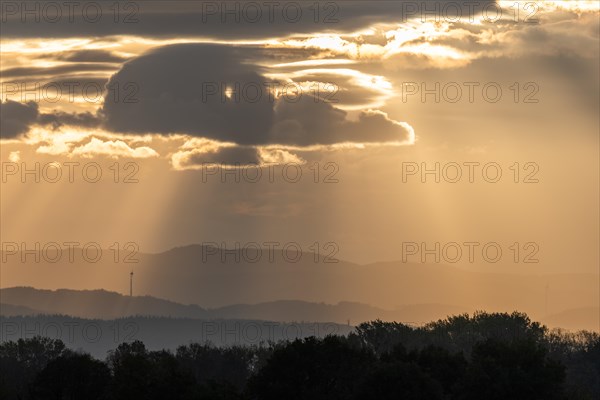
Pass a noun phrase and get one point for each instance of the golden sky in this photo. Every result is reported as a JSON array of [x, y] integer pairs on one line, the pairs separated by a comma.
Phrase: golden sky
[[178, 107]]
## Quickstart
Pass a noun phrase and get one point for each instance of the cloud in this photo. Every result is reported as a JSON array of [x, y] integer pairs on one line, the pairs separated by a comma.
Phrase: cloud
[[202, 19], [88, 143], [93, 56], [59, 118], [347, 88], [217, 92], [24, 72], [14, 156], [57, 91], [308, 123], [16, 118], [175, 85], [113, 148], [230, 156]]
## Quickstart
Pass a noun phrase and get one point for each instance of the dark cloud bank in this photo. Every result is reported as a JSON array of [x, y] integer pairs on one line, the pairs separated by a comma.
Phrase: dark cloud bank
[[181, 90]]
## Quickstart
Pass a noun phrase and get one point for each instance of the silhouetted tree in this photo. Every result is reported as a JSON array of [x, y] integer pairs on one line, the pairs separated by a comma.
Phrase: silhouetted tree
[[381, 337], [315, 369], [73, 376], [139, 373], [21, 361], [484, 356], [461, 332], [131, 368], [518, 370], [168, 379], [231, 365], [420, 374], [580, 353], [393, 380], [212, 390], [448, 369]]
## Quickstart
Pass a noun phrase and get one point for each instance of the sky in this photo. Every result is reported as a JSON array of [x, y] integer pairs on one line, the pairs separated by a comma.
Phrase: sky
[[358, 128]]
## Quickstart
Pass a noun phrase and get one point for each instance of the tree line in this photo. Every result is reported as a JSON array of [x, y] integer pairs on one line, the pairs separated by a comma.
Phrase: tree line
[[483, 356]]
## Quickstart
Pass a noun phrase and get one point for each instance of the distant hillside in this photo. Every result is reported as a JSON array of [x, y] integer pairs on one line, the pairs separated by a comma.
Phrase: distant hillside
[[101, 304], [93, 304], [289, 310], [109, 305], [11, 309], [212, 279]]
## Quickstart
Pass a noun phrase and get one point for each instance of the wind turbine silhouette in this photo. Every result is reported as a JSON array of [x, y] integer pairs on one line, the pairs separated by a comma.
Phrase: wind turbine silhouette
[[131, 284]]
